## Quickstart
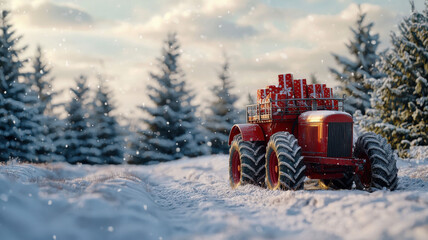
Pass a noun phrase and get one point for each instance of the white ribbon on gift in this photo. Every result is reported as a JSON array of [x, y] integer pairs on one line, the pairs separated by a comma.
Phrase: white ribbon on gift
[[313, 94], [301, 103], [301, 88], [287, 91], [323, 86]]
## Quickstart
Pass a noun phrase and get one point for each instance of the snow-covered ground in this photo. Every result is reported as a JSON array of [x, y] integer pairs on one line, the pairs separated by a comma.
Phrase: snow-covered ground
[[191, 199]]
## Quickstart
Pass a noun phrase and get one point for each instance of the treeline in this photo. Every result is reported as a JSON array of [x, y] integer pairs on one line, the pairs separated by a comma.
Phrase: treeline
[[387, 92], [31, 131]]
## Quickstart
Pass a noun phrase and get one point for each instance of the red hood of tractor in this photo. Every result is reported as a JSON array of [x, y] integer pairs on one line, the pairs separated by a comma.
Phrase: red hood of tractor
[[325, 116]]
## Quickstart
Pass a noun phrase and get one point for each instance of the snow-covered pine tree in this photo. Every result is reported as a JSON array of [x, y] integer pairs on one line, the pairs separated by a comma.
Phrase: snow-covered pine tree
[[79, 140], [42, 81], [136, 145], [172, 128], [401, 98], [108, 130], [20, 130], [223, 112], [363, 50], [52, 124], [127, 134]]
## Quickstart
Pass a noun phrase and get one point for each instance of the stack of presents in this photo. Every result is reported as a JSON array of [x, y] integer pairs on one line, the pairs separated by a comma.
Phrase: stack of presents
[[284, 97]]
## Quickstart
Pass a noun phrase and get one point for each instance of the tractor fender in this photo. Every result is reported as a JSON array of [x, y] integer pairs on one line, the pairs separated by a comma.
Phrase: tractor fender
[[249, 132]]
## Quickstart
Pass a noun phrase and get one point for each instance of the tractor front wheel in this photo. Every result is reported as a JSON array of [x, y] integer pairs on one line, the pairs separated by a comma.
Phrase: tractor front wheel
[[284, 164], [380, 169], [246, 162]]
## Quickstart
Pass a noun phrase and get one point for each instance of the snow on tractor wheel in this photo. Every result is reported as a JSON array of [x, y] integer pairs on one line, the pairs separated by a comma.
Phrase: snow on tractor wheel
[[341, 183], [380, 169], [284, 164], [246, 162]]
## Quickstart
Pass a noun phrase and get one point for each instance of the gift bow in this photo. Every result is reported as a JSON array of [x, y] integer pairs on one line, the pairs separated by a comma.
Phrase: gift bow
[[287, 90]]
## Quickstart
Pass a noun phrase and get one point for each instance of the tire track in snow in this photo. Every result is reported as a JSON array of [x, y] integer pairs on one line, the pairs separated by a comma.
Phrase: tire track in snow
[[192, 199], [196, 192]]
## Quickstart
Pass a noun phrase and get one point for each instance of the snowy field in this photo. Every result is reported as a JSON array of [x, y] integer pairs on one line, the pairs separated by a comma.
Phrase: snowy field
[[191, 199]]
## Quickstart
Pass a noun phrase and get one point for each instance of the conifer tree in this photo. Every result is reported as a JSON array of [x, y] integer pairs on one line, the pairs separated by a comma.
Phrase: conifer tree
[[43, 83], [79, 140], [363, 65], [20, 130], [223, 112], [400, 99], [108, 130], [172, 126], [135, 141], [136, 145], [52, 125]]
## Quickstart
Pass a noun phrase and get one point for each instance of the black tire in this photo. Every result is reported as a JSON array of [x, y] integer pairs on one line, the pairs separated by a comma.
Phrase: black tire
[[341, 183], [383, 167], [251, 162], [260, 161], [284, 148]]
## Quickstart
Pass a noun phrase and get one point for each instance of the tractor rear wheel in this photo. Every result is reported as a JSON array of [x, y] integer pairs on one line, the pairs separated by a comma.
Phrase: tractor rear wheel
[[341, 183], [246, 162], [284, 164], [380, 169]]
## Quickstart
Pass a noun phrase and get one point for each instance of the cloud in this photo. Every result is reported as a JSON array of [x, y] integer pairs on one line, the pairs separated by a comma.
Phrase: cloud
[[48, 14], [193, 22], [262, 40], [307, 46], [214, 7], [261, 13], [329, 30]]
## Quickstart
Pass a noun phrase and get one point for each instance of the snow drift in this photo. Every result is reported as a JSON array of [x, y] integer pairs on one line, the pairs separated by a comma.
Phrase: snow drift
[[191, 198]]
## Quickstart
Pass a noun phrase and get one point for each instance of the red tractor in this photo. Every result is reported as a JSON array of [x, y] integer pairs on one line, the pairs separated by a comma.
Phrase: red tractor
[[290, 135]]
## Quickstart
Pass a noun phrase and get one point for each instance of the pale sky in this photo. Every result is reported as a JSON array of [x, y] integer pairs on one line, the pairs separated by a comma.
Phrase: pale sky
[[122, 39]]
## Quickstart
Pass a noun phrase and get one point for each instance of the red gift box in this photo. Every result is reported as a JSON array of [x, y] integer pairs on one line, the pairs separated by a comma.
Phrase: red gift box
[[261, 95], [273, 89], [311, 92], [314, 91], [321, 88], [281, 103], [318, 88], [320, 103], [328, 92], [331, 104], [300, 88], [320, 92], [335, 105], [286, 84], [278, 100], [283, 77]]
